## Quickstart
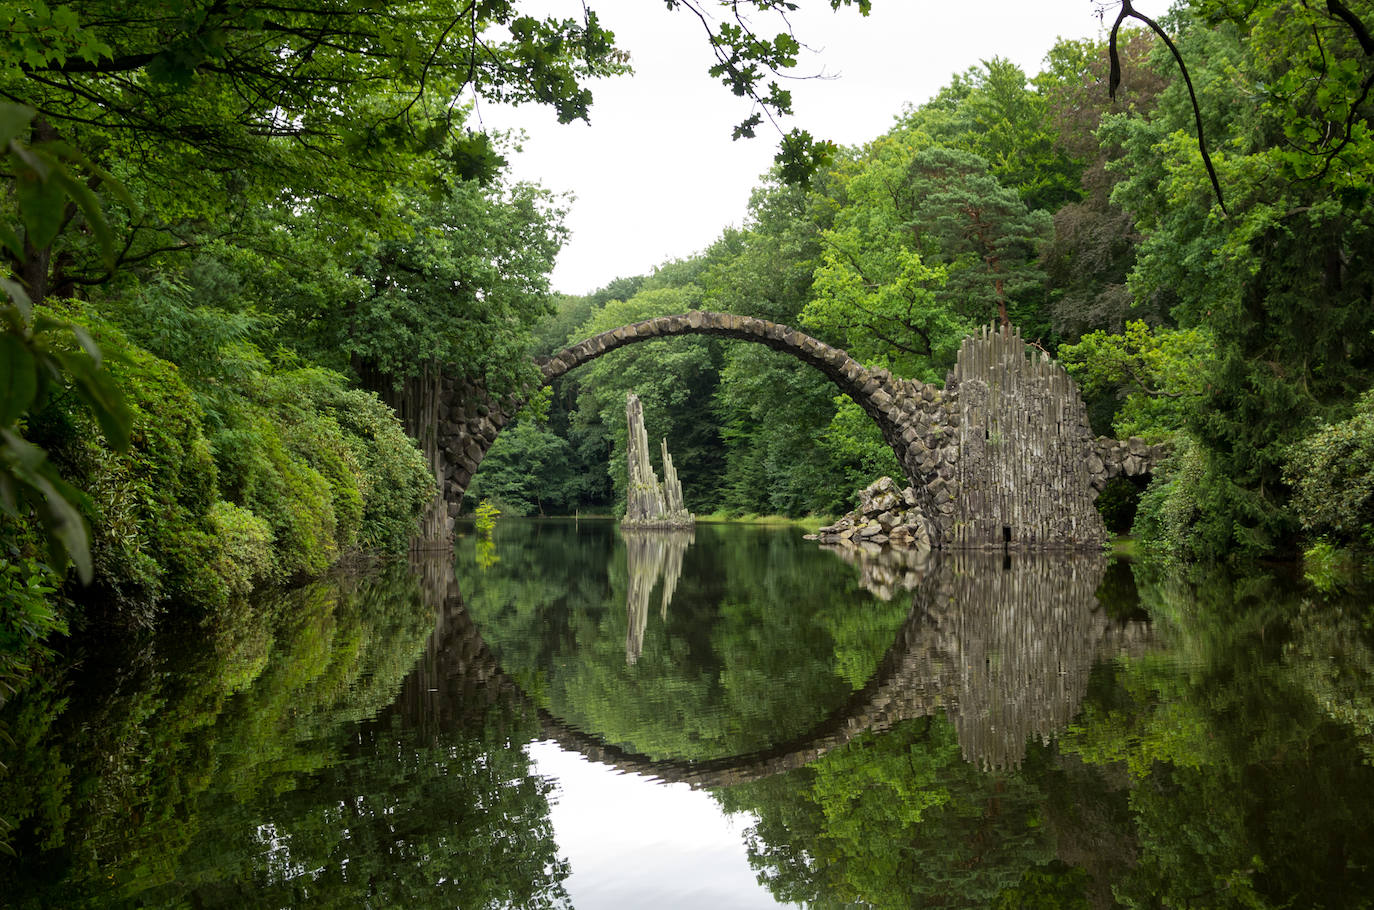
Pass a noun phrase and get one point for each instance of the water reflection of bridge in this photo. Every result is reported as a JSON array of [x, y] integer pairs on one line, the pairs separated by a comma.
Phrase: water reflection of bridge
[[1003, 647]]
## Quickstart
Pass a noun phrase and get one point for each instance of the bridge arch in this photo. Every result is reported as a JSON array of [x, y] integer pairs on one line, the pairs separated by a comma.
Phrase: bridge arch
[[1002, 456], [912, 415]]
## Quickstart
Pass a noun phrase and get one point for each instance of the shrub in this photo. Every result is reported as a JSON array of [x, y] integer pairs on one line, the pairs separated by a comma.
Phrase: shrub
[[1167, 511], [148, 506], [1194, 511], [29, 613], [487, 513], [297, 469], [328, 467], [396, 482], [261, 474], [1332, 475], [245, 547]]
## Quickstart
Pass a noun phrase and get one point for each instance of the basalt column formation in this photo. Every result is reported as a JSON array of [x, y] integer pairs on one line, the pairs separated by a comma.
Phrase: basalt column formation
[[650, 505]]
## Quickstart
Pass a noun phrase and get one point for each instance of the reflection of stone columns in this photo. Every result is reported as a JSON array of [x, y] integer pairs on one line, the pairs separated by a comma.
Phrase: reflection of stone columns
[[649, 556], [1019, 637], [1002, 643]]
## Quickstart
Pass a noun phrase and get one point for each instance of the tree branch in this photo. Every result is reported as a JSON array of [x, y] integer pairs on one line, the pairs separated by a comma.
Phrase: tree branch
[[1343, 13], [1115, 80]]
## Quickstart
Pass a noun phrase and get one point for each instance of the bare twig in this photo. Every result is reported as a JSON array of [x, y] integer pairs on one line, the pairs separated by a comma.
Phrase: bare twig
[[1114, 80]]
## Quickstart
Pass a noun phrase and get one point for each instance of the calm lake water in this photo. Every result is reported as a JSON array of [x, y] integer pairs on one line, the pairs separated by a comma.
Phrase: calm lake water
[[732, 717]]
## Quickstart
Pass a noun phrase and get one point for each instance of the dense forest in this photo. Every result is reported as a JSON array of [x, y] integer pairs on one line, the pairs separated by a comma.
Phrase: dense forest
[[230, 231], [1240, 335]]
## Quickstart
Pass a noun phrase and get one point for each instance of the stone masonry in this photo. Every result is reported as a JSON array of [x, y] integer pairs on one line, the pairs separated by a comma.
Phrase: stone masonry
[[1002, 456]]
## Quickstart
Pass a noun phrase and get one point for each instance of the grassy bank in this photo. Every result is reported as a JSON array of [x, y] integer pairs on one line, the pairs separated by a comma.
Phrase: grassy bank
[[808, 522]]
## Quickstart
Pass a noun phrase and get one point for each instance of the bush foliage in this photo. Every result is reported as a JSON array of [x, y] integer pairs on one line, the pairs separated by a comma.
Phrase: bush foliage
[[224, 487], [1332, 474]]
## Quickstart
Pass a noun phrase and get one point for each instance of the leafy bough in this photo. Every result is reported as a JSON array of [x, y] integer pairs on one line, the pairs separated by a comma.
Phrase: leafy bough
[[41, 356]]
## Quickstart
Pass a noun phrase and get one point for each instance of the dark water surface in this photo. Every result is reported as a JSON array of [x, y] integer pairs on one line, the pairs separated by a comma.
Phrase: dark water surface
[[731, 717]]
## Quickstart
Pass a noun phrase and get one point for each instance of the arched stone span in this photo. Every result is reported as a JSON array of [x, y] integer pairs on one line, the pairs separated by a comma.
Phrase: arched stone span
[[910, 414], [901, 408], [1002, 456]]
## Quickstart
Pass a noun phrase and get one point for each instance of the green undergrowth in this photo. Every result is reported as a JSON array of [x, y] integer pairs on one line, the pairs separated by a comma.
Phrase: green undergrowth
[[242, 472], [1124, 547]]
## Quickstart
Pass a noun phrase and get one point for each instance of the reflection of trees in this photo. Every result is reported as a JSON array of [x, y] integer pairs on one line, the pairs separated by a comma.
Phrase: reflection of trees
[[650, 556], [999, 651], [1246, 743], [1004, 646], [241, 772], [763, 640], [894, 819], [1225, 767]]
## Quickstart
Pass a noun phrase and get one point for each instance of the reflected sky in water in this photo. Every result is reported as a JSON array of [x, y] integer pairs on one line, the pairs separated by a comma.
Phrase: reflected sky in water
[[634, 842]]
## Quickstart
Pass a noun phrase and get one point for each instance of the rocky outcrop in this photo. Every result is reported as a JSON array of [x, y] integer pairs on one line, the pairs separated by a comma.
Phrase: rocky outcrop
[[885, 515], [648, 503]]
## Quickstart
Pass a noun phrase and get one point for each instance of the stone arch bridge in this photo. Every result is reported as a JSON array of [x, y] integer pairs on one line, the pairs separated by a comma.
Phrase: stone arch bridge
[[1003, 649], [1002, 456]]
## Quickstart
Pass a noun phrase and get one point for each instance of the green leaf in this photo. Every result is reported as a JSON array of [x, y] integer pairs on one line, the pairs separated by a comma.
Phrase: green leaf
[[101, 395], [14, 122], [41, 205], [10, 241], [15, 291], [25, 472], [95, 216], [70, 153], [64, 525], [87, 343], [18, 379]]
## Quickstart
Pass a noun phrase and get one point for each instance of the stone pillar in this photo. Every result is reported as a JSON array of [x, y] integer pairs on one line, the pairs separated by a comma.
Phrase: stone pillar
[[1021, 478], [649, 504]]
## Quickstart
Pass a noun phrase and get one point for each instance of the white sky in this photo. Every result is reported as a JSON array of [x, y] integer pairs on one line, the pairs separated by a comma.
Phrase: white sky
[[636, 843], [655, 174]]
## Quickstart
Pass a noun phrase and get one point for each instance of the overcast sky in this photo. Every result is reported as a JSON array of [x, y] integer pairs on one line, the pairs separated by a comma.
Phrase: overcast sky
[[655, 175]]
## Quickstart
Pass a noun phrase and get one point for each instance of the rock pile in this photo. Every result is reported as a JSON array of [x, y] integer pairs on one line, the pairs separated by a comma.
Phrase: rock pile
[[885, 571], [886, 515]]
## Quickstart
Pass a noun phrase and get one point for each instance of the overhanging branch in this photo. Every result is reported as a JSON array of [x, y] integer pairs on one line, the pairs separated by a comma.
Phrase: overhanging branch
[[1114, 80]]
